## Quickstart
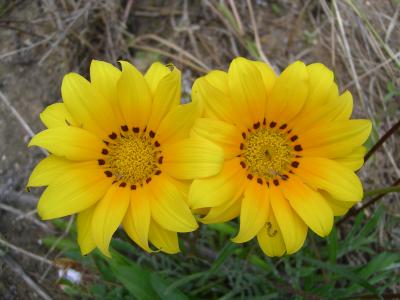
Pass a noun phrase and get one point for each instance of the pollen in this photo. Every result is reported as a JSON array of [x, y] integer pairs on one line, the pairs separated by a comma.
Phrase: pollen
[[267, 152], [132, 157]]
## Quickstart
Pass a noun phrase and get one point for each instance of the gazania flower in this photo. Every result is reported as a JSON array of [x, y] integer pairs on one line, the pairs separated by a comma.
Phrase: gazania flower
[[290, 147], [120, 154]]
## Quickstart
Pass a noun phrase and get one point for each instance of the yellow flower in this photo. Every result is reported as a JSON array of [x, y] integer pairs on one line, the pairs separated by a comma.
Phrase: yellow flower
[[290, 152], [121, 153]]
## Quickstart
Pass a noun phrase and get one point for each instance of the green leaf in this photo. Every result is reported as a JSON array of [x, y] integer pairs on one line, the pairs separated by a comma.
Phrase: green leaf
[[134, 278], [163, 290], [332, 245]]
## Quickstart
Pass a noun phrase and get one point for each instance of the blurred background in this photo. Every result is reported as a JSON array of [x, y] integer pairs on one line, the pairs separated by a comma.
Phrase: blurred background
[[41, 41]]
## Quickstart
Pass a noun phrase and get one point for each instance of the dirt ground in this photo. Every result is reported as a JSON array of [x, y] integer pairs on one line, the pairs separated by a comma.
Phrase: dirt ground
[[40, 41]]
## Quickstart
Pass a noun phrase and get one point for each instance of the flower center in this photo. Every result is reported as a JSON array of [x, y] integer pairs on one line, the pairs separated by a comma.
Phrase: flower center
[[269, 152], [131, 158]]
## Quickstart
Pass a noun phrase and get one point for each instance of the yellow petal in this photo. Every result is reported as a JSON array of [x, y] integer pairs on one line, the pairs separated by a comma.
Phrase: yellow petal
[[247, 91], [155, 74], [219, 189], [225, 135], [335, 139], [69, 142], [134, 96], [83, 226], [104, 78], [309, 205], [354, 160], [267, 74], [337, 109], [137, 219], [178, 122], [339, 208], [108, 215], [90, 109], [48, 170], [74, 191], [224, 212], [167, 94], [168, 207], [320, 82], [290, 226], [165, 240], [57, 115], [288, 94], [253, 212], [212, 92], [270, 238], [193, 158], [340, 182]]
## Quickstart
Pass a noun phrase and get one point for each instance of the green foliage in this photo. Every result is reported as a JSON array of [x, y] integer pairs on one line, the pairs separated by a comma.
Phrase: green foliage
[[212, 268]]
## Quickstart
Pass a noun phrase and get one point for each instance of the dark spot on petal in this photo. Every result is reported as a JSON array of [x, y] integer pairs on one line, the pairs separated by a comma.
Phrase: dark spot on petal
[[293, 138], [104, 151], [259, 181], [295, 164], [133, 187], [272, 124], [136, 129], [113, 136], [298, 148], [276, 182], [158, 172], [148, 180], [101, 162], [241, 146], [160, 159], [264, 121], [256, 125], [249, 176], [108, 173], [124, 128], [244, 135], [243, 164], [157, 144], [152, 134], [283, 126], [122, 184]]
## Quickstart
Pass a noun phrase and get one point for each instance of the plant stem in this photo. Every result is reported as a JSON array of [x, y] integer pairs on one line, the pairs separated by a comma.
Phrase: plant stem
[[382, 140]]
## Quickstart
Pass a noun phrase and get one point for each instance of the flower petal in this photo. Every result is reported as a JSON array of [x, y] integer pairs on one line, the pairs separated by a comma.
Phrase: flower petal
[[167, 94], [270, 237], [163, 239], [224, 212], [225, 135], [288, 94], [309, 205], [193, 158], [354, 160], [137, 219], [155, 74], [83, 226], [340, 182], [268, 75], [290, 226], [108, 215], [104, 78], [212, 92], [335, 139], [178, 122], [48, 170], [134, 96], [320, 82], [69, 142], [168, 207], [247, 91], [219, 189], [74, 191], [90, 109], [57, 115], [253, 213], [339, 208]]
